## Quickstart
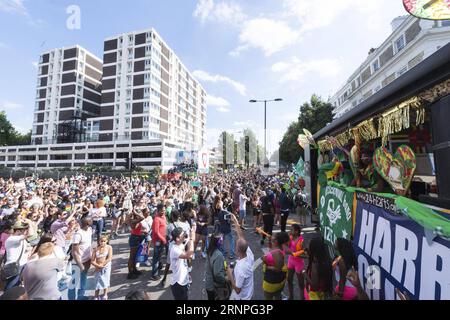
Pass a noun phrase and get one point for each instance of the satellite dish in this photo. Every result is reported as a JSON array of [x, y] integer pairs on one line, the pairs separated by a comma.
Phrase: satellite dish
[[428, 9]]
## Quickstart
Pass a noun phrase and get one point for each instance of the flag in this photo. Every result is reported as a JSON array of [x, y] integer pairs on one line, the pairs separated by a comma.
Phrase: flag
[[300, 168]]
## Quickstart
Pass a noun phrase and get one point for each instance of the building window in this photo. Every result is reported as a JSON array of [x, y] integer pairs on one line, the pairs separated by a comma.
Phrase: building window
[[148, 64], [400, 44], [376, 65], [128, 108], [402, 71]]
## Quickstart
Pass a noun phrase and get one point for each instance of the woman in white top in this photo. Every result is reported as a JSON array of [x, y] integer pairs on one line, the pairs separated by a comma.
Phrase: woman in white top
[[101, 260], [98, 214]]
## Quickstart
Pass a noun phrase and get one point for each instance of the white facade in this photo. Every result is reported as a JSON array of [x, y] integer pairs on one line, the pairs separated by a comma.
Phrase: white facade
[[146, 154], [412, 41], [68, 85], [149, 94]]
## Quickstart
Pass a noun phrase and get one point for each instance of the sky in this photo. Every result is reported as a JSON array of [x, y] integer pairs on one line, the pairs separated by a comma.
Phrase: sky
[[238, 50]]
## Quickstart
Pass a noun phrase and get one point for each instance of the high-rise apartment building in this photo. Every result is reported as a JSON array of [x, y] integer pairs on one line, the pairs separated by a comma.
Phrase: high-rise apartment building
[[149, 94], [68, 88]]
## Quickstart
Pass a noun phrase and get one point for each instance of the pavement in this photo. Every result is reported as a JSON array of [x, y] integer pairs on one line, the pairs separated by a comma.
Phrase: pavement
[[120, 285]]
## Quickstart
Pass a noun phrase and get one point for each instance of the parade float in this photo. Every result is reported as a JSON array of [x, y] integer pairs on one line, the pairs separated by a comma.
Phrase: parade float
[[379, 177]]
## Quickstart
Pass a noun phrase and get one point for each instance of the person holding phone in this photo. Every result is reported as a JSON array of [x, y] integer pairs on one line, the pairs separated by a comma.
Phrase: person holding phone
[[178, 263], [225, 229]]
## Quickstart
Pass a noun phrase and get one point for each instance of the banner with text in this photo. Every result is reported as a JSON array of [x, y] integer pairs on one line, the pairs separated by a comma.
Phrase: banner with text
[[394, 252], [335, 212]]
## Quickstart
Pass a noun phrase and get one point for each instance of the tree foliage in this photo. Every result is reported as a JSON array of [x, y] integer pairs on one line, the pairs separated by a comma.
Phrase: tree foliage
[[9, 135], [314, 115]]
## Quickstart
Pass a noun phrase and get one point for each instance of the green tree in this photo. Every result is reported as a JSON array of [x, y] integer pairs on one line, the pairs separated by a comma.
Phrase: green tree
[[289, 150], [314, 115], [9, 135], [226, 144]]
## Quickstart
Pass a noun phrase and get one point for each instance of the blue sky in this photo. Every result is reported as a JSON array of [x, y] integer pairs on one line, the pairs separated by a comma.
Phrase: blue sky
[[239, 50]]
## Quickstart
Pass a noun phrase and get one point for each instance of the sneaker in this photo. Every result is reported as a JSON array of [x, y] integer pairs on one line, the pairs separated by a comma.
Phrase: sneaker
[[148, 263], [105, 297], [138, 265], [155, 278], [132, 276]]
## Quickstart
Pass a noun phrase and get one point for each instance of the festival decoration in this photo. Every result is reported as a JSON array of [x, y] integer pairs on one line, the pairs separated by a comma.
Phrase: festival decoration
[[428, 9], [397, 170], [307, 139]]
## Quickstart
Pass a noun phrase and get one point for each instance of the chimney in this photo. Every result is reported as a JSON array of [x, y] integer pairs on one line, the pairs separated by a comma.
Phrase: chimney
[[397, 22]]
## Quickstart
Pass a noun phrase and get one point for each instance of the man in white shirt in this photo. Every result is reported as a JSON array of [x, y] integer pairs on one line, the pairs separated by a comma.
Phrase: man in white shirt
[[17, 250], [241, 277], [81, 252], [178, 263], [242, 208]]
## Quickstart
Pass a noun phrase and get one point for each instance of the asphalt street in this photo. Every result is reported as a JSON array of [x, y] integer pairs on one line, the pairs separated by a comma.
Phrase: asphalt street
[[120, 285]]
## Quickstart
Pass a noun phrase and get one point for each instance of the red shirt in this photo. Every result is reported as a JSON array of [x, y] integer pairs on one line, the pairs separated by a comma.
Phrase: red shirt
[[159, 229]]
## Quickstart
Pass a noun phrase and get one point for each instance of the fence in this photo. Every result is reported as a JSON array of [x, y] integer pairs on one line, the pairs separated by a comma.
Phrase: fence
[[57, 174]]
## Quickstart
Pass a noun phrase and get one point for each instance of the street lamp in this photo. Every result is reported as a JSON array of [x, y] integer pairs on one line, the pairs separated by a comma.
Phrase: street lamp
[[265, 119]]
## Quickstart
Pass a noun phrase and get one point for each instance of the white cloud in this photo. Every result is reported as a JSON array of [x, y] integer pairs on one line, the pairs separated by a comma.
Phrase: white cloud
[[297, 70], [205, 76], [221, 104], [226, 12], [13, 6], [8, 105], [315, 14], [35, 64], [266, 34]]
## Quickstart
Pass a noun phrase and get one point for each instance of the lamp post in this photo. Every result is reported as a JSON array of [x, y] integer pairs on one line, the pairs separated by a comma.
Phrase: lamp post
[[265, 120]]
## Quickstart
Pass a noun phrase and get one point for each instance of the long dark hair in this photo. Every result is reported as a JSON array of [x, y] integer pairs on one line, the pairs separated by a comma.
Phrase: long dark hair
[[318, 254], [214, 243], [347, 253]]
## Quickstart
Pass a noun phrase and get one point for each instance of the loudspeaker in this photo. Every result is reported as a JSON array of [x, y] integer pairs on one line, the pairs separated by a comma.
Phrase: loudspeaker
[[440, 120]]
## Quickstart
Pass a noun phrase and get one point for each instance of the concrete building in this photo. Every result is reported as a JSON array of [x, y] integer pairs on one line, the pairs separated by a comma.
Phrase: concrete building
[[140, 102], [412, 40], [149, 94], [68, 87]]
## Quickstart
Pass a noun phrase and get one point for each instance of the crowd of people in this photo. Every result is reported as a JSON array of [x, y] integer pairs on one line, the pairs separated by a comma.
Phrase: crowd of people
[[54, 233]]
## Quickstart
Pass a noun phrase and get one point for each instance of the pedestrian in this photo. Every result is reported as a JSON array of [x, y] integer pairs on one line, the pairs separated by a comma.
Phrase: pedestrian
[[241, 276], [101, 261], [81, 252], [201, 232], [136, 238], [295, 261], [268, 215], [178, 263], [319, 273], [40, 275], [274, 267], [159, 229], [286, 205], [342, 265], [17, 251], [215, 267], [225, 229]]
